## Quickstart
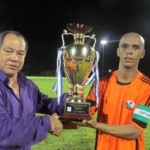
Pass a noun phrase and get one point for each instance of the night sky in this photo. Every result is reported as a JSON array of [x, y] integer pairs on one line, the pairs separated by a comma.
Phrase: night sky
[[43, 21]]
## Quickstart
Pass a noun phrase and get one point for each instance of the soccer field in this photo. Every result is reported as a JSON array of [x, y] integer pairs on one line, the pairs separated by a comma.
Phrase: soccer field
[[71, 139]]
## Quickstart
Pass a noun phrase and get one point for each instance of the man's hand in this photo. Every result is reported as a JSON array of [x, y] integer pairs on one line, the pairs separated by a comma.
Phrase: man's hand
[[93, 124], [90, 123], [56, 125]]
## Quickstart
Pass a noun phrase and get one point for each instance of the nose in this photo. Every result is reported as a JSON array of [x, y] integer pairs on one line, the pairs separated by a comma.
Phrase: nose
[[14, 57], [129, 50]]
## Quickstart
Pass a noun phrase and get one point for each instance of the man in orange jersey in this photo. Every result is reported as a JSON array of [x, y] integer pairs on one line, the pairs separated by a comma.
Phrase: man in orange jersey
[[123, 110]]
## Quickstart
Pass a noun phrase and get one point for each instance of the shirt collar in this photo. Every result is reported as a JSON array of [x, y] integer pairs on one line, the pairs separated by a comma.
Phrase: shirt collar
[[4, 77]]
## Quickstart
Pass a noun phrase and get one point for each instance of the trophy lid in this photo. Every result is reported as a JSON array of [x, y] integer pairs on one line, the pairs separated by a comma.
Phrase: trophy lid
[[79, 28]]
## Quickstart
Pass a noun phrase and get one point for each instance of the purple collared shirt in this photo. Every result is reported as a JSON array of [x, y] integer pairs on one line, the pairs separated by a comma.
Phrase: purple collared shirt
[[19, 127]]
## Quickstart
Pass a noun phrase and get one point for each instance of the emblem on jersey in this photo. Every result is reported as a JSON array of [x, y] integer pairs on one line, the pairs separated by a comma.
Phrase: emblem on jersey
[[130, 104]]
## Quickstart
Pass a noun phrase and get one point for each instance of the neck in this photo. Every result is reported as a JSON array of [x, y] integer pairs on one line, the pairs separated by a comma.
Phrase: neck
[[127, 75], [13, 80]]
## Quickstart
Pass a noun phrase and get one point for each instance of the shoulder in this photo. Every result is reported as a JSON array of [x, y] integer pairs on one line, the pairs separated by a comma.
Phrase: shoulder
[[26, 81], [31, 83], [144, 79], [109, 77]]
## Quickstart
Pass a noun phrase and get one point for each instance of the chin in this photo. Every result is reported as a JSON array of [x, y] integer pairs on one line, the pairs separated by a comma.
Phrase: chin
[[11, 72], [128, 66]]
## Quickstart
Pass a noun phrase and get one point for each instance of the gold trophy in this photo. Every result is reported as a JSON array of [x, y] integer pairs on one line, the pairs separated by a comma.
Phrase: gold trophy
[[78, 59]]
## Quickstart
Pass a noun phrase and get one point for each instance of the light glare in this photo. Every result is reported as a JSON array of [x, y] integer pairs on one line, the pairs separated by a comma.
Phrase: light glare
[[103, 42]]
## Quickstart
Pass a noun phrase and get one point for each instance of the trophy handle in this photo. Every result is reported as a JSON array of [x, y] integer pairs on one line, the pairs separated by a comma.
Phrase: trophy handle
[[62, 36], [93, 37]]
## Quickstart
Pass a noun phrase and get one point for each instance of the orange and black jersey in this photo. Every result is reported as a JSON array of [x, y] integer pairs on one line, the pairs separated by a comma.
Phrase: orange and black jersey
[[116, 106]]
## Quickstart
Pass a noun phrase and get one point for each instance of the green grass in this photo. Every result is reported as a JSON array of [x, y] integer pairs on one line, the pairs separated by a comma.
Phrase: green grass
[[71, 139]]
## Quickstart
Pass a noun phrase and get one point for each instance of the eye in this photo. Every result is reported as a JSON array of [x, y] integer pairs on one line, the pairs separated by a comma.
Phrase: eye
[[7, 50], [21, 53], [124, 46], [136, 47]]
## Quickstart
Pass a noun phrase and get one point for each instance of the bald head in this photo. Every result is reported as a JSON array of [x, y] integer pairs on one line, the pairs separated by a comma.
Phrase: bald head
[[131, 50], [132, 37]]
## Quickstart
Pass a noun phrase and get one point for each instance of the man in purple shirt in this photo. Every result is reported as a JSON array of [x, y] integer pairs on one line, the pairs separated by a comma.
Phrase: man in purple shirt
[[20, 99]]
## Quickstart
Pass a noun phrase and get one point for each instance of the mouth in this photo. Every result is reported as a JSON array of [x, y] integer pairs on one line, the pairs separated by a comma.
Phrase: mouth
[[12, 66], [128, 59]]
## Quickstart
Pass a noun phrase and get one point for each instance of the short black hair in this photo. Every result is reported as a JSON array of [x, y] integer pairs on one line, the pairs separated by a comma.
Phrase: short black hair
[[4, 33]]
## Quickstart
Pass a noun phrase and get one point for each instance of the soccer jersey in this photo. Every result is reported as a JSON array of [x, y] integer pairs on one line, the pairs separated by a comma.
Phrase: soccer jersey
[[116, 106]]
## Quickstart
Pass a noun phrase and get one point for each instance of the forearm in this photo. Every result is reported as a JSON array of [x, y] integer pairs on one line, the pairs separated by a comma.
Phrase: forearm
[[24, 130], [50, 105], [123, 131]]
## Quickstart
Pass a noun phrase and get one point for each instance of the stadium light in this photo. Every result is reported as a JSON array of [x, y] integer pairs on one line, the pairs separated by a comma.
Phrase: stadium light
[[103, 42]]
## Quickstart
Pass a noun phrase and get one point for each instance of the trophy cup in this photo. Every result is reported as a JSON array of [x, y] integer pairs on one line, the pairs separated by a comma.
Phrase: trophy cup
[[78, 59]]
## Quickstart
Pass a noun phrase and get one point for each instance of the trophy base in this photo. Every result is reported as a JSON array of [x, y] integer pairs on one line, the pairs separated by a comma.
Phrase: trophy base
[[73, 121], [74, 114]]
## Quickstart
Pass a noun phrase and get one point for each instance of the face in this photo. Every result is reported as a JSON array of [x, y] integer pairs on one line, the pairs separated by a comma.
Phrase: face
[[12, 54], [131, 50]]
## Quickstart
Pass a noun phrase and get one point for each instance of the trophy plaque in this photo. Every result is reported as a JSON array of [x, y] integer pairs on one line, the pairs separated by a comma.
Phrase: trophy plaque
[[78, 59]]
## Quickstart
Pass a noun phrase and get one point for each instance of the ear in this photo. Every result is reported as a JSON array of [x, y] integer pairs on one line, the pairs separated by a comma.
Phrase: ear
[[142, 54], [118, 52]]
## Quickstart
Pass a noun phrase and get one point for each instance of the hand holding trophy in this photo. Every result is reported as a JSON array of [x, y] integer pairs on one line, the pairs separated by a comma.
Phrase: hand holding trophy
[[78, 59]]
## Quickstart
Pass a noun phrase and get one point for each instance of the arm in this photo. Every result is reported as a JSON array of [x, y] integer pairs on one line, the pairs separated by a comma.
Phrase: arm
[[26, 130], [47, 105], [20, 127], [140, 119], [42, 102], [23, 130], [123, 131]]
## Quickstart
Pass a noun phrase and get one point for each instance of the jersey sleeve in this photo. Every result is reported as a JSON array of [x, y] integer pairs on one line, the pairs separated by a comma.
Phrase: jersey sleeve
[[141, 116]]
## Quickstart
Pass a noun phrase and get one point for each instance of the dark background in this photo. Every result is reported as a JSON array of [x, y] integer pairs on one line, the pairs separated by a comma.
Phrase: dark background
[[43, 21]]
